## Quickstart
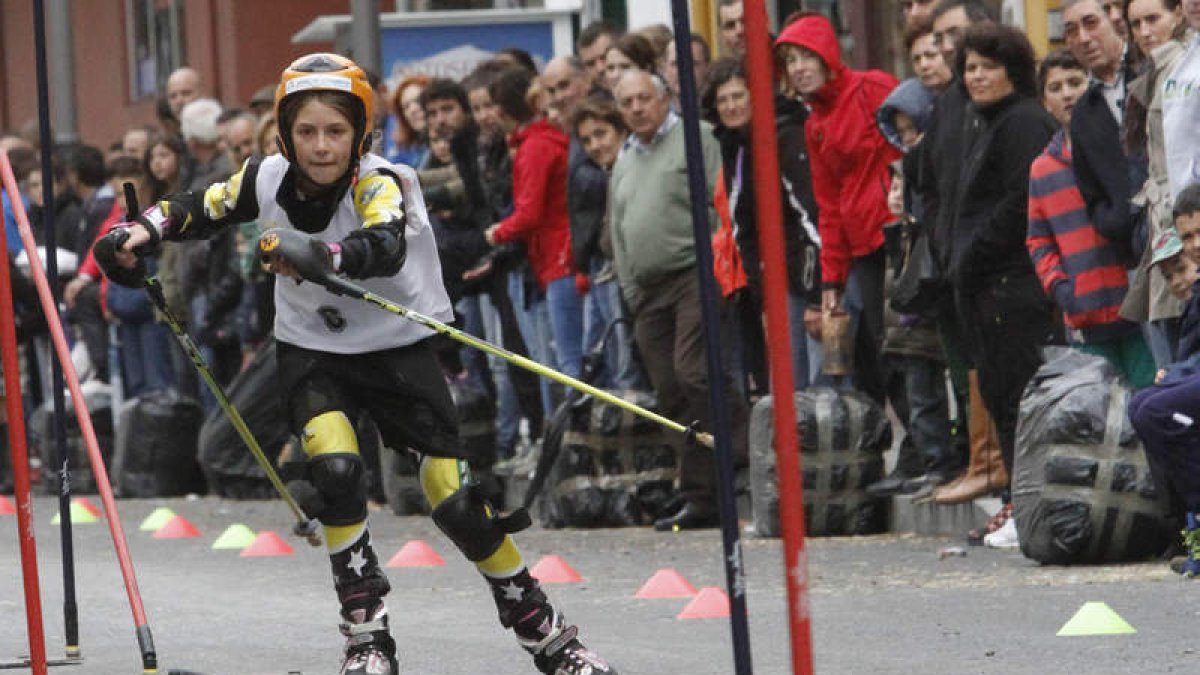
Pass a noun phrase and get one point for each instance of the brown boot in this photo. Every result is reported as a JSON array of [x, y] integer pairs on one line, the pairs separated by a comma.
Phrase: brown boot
[[985, 471]]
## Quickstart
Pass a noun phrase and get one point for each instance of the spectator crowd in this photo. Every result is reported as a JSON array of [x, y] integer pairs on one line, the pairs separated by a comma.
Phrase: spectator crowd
[[939, 230]]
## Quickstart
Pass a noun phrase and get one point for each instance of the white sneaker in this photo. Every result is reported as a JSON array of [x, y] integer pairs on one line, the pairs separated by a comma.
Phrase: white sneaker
[[1005, 537]]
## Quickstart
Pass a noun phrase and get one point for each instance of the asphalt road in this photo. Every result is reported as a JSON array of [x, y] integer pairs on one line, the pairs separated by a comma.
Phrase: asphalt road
[[885, 604]]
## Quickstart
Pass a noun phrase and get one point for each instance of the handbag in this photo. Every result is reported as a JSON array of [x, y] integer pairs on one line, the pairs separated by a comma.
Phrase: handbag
[[920, 285]]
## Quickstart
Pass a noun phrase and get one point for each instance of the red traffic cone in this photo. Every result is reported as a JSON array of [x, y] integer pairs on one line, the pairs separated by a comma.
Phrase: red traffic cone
[[666, 583], [267, 544], [177, 528], [6, 506], [552, 569], [87, 504], [710, 603], [416, 553]]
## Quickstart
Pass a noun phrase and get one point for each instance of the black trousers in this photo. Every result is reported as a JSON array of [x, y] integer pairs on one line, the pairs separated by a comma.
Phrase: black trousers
[[402, 389], [867, 275], [1010, 320]]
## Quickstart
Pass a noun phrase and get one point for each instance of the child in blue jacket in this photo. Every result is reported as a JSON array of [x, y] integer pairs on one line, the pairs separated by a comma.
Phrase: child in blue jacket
[[1167, 415]]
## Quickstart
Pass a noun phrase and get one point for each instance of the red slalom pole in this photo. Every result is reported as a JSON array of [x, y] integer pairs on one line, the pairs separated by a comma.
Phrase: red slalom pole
[[50, 309], [765, 153], [20, 455]]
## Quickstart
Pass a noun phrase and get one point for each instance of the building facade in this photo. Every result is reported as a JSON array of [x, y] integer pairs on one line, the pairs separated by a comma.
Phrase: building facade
[[122, 50]]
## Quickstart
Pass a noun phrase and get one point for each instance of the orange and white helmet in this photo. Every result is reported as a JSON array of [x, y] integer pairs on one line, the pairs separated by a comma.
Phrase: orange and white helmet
[[327, 72]]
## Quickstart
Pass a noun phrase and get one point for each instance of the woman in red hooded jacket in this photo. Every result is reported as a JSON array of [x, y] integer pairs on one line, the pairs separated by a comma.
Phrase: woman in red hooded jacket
[[539, 219], [849, 159]]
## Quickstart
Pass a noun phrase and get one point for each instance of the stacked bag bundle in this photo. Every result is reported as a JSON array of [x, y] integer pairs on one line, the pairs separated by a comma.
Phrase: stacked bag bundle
[[843, 435], [1082, 490], [613, 468]]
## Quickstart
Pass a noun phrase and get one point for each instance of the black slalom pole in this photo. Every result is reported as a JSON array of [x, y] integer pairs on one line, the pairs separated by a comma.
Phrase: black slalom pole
[[70, 609], [735, 575]]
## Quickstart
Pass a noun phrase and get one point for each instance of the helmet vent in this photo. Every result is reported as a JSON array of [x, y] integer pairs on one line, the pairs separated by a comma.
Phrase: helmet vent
[[319, 63]]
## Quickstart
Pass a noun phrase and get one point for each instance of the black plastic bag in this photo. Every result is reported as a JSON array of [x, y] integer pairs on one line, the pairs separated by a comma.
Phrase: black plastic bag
[[156, 446], [476, 423], [1082, 490], [43, 442], [613, 468], [228, 464], [843, 436], [919, 286]]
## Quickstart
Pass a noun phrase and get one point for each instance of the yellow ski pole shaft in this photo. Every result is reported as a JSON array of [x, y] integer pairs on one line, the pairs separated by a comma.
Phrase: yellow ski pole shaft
[[305, 526], [341, 286]]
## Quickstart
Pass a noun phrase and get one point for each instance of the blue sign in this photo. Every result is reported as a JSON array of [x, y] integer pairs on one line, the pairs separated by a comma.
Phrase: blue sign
[[453, 51]]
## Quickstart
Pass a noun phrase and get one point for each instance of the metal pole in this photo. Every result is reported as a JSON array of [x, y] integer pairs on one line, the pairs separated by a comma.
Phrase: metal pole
[[90, 442], [62, 67], [20, 460], [768, 203], [735, 579], [70, 610], [364, 35]]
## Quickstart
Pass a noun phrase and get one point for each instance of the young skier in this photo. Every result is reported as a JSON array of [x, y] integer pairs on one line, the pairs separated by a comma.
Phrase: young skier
[[339, 355]]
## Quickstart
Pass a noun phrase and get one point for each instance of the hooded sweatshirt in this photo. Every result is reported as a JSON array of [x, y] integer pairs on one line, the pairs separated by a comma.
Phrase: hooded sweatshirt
[[911, 98], [539, 217], [849, 155]]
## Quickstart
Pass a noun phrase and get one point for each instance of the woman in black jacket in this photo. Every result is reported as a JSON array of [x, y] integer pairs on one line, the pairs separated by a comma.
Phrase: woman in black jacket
[[727, 103], [1005, 313]]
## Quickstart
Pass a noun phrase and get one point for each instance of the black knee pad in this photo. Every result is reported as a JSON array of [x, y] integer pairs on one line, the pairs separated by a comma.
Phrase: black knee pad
[[307, 497], [338, 477], [470, 522]]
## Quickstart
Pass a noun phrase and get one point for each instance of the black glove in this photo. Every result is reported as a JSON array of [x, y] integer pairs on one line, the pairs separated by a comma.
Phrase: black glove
[[105, 251]]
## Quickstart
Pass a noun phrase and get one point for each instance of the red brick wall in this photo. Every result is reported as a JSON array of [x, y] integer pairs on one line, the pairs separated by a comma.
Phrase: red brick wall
[[237, 46]]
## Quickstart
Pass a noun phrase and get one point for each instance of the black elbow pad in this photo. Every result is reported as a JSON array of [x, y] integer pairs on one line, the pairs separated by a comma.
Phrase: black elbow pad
[[374, 252]]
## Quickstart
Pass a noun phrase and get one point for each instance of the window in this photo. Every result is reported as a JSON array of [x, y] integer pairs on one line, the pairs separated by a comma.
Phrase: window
[[155, 38]]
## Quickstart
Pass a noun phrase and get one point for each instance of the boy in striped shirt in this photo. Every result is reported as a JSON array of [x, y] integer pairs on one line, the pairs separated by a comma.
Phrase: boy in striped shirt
[[1082, 271]]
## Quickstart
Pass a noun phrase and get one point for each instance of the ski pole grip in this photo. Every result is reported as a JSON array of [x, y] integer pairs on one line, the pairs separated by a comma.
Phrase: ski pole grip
[[310, 257]]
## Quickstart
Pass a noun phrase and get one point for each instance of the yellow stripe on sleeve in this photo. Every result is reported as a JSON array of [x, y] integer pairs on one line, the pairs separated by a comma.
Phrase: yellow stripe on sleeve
[[378, 199]]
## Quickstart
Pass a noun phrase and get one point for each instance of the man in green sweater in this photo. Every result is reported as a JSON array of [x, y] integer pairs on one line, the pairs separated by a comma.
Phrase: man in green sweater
[[650, 223]]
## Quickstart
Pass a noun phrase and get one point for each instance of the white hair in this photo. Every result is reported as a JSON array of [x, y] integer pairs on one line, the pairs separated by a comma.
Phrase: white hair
[[660, 85], [198, 121]]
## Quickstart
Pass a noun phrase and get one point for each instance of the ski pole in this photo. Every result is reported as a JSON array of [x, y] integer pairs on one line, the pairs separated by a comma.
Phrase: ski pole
[[305, 527], [63, 459], [299, 250]]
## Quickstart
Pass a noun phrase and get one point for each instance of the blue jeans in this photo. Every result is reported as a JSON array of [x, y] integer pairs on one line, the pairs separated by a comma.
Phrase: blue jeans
[[602, 306], [806, 350], [481, 319], [928, 420], [533, 319], [145, 357], [1165, 417], [565, 307]]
